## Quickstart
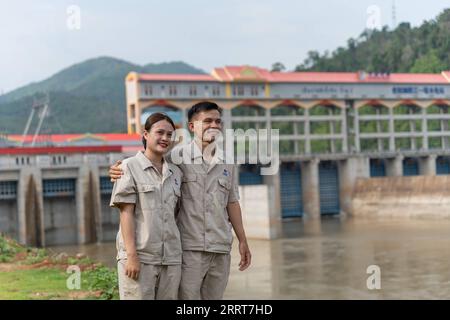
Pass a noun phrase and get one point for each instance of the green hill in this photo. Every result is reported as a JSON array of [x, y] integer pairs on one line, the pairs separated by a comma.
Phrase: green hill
[[93, 87], [421, 49]]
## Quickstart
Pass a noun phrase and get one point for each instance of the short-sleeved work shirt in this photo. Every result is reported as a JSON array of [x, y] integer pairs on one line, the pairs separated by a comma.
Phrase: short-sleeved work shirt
[[156, 199], [206, 191]]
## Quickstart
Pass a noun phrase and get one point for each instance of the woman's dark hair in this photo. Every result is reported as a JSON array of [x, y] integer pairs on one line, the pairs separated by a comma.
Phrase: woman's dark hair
[[151, 120]]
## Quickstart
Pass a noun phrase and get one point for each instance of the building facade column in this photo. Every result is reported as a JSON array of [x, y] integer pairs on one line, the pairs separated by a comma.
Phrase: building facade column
[[88, 204], [310, 188], [391, 130], [427, 165], [95, 203], [30, 205], [274, 198], [349, 170], [394, 166]]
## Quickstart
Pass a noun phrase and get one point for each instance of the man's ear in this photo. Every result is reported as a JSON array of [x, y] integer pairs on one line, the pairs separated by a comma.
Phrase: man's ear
[[191, 126]]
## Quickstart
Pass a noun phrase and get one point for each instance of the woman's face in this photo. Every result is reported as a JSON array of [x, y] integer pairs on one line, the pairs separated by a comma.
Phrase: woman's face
[[159, 139]]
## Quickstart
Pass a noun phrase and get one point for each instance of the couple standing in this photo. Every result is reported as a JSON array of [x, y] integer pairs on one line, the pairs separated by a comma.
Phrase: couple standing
[[174, 239]]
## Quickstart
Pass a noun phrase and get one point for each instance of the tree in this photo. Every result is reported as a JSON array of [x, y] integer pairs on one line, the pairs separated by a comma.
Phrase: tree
[[425, 48], [428, 63], [278, 67], [311, 61]]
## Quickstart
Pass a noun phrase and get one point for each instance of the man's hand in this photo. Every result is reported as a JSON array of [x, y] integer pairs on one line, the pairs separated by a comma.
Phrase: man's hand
[[133, 267], [115, 172], [246, 256]]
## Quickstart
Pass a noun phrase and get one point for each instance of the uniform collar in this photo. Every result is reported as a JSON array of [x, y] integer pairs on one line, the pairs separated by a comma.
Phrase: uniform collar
[[145, 163], [196, 152]]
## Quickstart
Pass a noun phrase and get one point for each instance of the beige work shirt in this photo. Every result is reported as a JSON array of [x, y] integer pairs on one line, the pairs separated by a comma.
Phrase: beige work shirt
[[155, 198], [206, 191]]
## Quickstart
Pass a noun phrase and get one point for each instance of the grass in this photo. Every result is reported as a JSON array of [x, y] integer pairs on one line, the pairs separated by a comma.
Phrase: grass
[[9, 249], [32, 273], [33, 284]]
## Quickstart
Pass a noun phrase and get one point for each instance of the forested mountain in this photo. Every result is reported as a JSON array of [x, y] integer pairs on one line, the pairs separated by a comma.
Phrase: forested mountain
[[93, 87], [423, 49]]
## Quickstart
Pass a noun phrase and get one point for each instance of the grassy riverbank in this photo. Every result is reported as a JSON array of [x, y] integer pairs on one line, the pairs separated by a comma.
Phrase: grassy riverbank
[[31, 273]]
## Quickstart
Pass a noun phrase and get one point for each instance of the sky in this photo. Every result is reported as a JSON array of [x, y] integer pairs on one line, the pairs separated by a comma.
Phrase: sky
[[39, 38]]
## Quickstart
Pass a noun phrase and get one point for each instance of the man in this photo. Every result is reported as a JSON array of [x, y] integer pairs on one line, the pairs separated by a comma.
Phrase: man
[[209, 208]]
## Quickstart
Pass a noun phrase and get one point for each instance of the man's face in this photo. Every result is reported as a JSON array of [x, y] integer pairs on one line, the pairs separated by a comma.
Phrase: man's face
[[206, 124]]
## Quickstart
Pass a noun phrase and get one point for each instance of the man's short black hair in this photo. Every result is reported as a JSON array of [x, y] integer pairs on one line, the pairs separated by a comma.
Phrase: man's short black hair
[[203, 106]]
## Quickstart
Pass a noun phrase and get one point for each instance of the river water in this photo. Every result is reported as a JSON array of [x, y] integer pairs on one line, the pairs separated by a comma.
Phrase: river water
[[329, 259]]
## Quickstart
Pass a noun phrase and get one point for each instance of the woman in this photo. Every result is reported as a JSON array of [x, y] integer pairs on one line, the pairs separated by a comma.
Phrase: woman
[[147, 195]]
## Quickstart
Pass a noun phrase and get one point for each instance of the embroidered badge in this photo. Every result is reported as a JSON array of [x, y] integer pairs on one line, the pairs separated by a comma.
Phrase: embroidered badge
[[226, 173]]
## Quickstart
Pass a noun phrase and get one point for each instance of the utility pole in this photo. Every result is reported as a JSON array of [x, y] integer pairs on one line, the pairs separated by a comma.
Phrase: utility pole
[[394, 15]]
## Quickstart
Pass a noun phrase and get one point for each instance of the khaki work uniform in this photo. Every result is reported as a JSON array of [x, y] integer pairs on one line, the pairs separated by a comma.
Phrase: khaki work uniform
[[204, 224], [157, 238]]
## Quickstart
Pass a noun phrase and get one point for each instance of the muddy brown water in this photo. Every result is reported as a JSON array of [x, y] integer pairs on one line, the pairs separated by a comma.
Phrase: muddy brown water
[[329, 259]]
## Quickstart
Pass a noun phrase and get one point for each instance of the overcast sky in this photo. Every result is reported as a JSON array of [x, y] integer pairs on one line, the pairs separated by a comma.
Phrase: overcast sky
[[39, 38]]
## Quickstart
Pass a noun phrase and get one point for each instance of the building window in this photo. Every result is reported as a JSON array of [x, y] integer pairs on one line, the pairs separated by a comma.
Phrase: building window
[[193, 90], [58, 187], [8, 190], [238, 90], [216, 90], [105, 185], [254, 90], [172, 90], [148, 89]]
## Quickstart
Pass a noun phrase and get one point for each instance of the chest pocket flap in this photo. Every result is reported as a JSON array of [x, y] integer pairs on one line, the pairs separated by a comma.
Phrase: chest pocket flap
[[176, 190], [145, 187], [225, 183], [189, 177]]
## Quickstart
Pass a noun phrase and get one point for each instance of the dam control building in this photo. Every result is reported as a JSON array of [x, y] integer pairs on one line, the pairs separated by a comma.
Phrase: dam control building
[[355, 143]]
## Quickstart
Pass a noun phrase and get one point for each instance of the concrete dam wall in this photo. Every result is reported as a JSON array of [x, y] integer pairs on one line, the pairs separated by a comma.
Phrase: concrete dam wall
[[397, 197]]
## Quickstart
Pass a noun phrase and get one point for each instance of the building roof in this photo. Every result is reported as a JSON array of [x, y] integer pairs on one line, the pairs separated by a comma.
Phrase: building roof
[[107, 138], [71, 143], [176, 77], [56, 150], [248, 73]]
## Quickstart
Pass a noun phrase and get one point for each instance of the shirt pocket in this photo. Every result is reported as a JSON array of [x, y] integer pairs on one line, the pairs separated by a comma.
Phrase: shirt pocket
[[174, 196], [176, 190], [147, 195], [224, 186], [189, 186]]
